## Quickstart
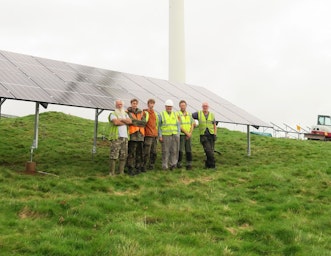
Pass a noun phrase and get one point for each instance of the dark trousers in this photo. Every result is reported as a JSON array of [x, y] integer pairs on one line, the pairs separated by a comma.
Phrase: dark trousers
[[135, 154], [208, 143], [185, 146], [150, 153]]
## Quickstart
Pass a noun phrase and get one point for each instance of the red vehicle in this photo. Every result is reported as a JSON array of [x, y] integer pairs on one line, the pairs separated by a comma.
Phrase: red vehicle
[[321, 131]]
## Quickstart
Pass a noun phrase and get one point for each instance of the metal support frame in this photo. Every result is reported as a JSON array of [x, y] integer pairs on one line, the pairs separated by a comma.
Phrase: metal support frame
[[280, 129], [292, 129], [96, 121], [2, 100], [288, 130], [248, 141], [36, 131]]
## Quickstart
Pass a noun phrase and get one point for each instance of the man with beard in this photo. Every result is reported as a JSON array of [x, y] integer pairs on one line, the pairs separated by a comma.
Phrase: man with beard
[[118, 137]]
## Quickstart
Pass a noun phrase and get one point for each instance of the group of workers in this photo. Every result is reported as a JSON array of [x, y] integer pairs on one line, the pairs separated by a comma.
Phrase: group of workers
[[134, 133]]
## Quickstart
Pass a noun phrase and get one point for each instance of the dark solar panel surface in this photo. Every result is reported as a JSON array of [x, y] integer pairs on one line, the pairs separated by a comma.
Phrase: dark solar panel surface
[[4, 92], [24, 77]]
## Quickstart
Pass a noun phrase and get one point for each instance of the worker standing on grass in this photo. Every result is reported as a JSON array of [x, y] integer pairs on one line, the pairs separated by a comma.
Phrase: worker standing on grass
[[136, 142], [208, 133], [151, 135], [169, 126], [118, 137], [186, 127]]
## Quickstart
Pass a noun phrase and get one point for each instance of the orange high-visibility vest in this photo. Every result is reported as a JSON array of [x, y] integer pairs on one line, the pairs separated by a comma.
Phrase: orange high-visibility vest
[[133, 128]]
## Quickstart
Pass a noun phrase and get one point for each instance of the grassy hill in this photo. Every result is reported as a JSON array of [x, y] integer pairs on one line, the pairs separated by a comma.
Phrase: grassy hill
[[276, 202]]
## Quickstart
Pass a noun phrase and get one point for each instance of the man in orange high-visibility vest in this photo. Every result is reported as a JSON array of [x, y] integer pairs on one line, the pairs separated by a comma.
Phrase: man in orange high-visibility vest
[[136, 142]]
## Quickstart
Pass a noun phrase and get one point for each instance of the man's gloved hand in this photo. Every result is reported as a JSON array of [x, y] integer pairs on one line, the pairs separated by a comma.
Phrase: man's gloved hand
[[215, 137]]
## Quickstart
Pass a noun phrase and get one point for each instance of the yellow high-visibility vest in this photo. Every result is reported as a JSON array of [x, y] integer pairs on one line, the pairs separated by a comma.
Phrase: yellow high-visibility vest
[[112, 130], [169, 123], [206, 123], [185, 121]]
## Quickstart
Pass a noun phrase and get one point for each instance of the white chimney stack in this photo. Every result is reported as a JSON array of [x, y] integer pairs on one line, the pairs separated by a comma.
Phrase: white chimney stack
[[176, 41]]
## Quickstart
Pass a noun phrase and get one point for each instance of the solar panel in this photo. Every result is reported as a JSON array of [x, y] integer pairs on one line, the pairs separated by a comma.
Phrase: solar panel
[[8, 77], [8, 66], [5, 93], [16, 57], [101, 102], [29, 93], [30, 78], [50, 82], [52, 64], [33, 70], [70, 98]]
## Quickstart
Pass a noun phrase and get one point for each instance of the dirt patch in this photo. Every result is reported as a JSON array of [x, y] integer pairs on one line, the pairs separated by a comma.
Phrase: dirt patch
[[125, 193], [28, 213], [188, 181]]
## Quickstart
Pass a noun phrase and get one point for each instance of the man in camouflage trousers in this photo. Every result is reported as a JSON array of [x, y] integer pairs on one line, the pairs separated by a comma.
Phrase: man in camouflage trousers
[[118, 137]]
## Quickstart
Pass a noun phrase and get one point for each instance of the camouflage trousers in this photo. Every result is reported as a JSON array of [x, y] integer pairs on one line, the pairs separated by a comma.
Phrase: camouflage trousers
[[150, 153], [119, 149]]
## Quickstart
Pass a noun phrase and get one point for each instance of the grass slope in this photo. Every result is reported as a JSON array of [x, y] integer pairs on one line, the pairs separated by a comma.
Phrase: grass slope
[[276, 202]]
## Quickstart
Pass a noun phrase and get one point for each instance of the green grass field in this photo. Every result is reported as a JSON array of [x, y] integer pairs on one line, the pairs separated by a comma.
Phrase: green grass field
[[276, 202]]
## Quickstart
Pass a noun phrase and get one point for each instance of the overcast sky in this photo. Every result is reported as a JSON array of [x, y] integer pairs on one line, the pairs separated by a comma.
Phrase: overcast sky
[[269, 57]]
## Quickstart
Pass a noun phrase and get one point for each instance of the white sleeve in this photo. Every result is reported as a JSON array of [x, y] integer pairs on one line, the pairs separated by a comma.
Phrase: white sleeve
[[112, 117]]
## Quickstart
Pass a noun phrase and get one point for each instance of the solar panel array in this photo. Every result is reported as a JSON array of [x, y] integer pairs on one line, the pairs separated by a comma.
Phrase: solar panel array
[[29, 78]]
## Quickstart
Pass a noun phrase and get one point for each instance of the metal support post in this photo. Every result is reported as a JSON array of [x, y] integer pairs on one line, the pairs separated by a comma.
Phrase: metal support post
[[36, 131], [2, 100], [94, 148], [248, 141]]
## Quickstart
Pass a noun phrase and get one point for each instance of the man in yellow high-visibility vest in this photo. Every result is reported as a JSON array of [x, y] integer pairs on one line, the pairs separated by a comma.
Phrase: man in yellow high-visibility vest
[[208, 133], [186, 127], [169, 127]]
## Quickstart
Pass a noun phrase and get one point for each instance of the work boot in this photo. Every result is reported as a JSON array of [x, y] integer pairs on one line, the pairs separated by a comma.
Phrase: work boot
[[206, 165], [121, 166], [136, 170], [131, 171], [112, 166]]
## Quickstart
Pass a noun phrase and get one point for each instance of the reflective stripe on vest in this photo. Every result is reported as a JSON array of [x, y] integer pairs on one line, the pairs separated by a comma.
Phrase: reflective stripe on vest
[[133, 128], [185, 121], [169, 123], [146, 115], [206, 123], [113, 129]]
